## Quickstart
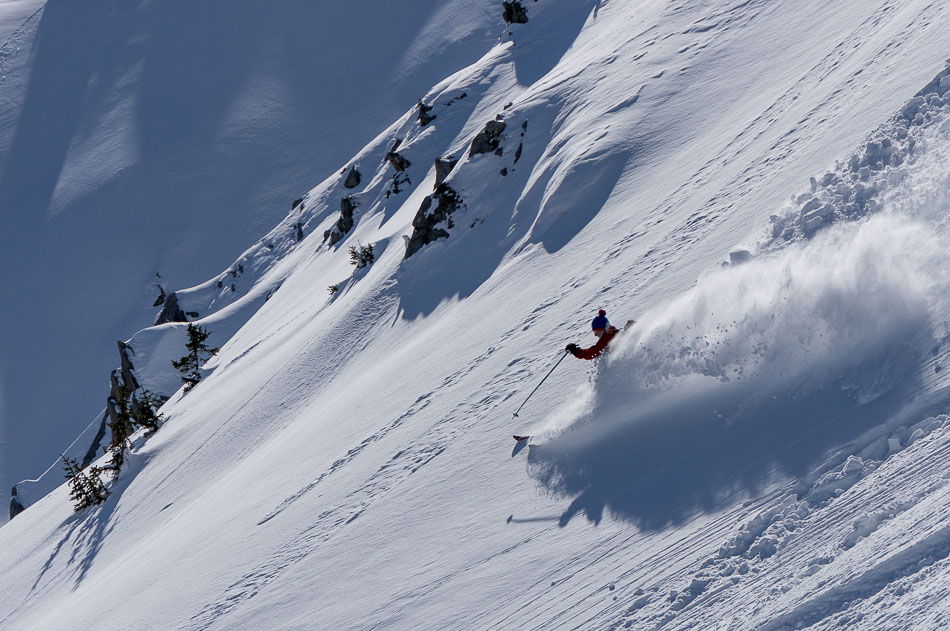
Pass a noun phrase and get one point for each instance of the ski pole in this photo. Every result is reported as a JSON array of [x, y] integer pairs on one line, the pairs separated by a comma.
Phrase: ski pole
[[515, 415]]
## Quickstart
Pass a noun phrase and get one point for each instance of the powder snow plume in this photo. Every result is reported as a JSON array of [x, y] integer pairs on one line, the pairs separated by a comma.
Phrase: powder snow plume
[[814, 344]]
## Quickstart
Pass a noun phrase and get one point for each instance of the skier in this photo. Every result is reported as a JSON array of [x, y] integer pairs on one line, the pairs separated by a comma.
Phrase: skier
[[604, 332], [600, 323]]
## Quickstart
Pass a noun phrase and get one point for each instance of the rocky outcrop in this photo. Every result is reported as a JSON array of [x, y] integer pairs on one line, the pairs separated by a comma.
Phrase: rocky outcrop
[[161, 296], [443, 166], [126, 367], [427, 220], [15, 506], [352, 178], [487, 140], [170, 312], [424, 116], [297, 202], [93, 452], [345, 223], [399, 162], [514, 12]]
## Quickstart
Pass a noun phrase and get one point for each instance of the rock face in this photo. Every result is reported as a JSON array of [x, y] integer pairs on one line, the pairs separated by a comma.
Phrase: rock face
[[15, 506], [399, 163], [93, 452], [170, 312], [126, 367], [345, 223], [488, 139], [443, 166], [425, 224], [297, 202], [514, 12], [424, 117], [352, 178]]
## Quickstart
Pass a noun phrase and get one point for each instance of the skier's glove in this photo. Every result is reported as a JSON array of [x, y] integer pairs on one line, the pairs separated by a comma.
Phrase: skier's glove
[[571, 348]]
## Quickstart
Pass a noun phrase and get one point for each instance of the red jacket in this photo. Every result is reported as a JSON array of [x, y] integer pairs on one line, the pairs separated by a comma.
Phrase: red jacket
[[599, 347]]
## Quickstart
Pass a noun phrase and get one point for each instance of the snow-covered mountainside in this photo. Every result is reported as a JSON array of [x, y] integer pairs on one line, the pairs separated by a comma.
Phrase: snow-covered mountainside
[[762, 186], [144, 144]]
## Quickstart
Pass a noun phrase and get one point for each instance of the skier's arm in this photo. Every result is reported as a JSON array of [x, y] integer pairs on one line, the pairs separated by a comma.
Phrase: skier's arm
[[595, 350]]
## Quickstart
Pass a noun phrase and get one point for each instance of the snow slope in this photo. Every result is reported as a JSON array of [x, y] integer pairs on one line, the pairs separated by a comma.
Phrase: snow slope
[[762, 450], [153, 138]]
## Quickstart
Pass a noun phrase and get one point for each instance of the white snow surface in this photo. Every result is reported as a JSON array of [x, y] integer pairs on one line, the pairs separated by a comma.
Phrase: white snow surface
[[141, 138], [761, 185]]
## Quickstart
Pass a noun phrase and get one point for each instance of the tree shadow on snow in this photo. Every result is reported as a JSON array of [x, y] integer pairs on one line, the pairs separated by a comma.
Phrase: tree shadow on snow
[[87, 531], [683, 453]]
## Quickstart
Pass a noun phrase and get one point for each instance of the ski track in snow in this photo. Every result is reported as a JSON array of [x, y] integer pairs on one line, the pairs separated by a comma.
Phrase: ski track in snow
[[394, 472]]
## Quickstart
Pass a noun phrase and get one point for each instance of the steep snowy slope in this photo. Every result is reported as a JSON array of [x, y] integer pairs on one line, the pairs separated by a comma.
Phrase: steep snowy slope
[[761, 450], [160, 138]]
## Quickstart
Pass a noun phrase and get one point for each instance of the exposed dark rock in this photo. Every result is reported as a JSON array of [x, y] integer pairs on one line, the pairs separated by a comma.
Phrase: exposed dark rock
[[345, 223], [161, 296], [296, 203], [220, 284], [425, 223], [488, 139], [298, 232], [347, 206], [443, 166], [15, 506], [93, 452], [126, 367], [352, 178], [504, 171], [171, 312], [193, 314], [399, 163], [514, 12], [458, 98], [424, 117], [397, 179], [518, 153]]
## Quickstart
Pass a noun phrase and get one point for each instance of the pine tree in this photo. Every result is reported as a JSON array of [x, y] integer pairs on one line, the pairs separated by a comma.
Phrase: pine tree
[[120, 428], [198, 352], [85, 490], [147, 414], [362, 256]]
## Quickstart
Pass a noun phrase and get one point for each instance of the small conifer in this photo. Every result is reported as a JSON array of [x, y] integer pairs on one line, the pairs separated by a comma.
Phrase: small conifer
[[148, 415], [85, 490], [121, 429], [198, 352], [362, 256]]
